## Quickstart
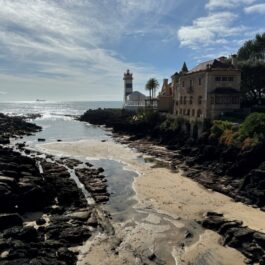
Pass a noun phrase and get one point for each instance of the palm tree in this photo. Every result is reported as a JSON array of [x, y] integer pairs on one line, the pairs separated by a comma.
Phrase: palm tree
[[151, 85]]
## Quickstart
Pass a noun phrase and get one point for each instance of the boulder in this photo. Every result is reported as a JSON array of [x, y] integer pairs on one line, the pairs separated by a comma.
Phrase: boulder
[[10, 219]]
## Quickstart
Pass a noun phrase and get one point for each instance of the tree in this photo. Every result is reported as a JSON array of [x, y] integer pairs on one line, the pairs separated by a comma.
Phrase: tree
[[252, 80], [184, 68], [151, 85], [251, 57], [253, 49]]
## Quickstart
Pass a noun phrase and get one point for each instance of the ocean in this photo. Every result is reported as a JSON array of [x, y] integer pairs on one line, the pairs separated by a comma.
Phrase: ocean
[[57, 121]]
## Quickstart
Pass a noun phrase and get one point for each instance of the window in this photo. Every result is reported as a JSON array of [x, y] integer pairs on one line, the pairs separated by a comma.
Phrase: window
[[200, 100], [191, 100], [224, 78], [180, 111], [219, 100], [199, 113], [193, 112], [235, 100], [212, 100], [188, 112], [185, 100], [181, 100], [191, 82], [200, 81], [183, 83], [128, 85]]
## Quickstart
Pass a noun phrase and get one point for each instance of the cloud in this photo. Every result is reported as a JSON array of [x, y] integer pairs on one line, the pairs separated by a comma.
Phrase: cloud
[[215, 4], [68, 39], [258, 8], [209, 30], [3, 92]]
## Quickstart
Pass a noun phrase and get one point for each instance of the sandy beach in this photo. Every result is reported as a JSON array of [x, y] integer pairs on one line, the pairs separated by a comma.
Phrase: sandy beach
[[173, 203]]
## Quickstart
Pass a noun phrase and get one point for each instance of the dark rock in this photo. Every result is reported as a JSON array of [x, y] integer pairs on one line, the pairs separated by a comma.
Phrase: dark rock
[[26, 234], [40, 221], [10, 219]]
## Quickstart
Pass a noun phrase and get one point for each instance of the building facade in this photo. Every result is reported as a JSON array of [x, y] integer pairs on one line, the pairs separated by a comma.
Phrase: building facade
[[165, 97], [208, 91]]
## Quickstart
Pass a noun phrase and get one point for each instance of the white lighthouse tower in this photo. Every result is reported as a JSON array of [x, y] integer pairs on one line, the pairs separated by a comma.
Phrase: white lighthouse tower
[[128, 85]]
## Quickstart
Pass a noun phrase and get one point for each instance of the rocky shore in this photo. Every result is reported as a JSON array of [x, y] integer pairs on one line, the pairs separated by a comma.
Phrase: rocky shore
[[44, 216], [238, 173]]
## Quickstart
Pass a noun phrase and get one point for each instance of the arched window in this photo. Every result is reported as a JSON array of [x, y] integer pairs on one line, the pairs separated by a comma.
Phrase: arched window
[[199, 113], [193, 112], [191, 100], [188, 112], [185, 100]]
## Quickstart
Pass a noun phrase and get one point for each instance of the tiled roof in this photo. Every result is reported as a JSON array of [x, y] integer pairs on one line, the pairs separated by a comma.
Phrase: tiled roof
[[212, 64]]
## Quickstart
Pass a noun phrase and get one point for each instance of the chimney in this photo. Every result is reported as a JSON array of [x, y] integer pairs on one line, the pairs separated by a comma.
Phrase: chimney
[[234, 60], [222, 59]]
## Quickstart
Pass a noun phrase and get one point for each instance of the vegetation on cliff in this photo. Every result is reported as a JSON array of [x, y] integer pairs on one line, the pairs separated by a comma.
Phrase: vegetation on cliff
[[248, 134]]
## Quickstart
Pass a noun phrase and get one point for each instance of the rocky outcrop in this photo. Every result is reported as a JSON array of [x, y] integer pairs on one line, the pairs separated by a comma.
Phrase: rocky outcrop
[[14, 127], [43, 213], [94, 182], [249, 242]]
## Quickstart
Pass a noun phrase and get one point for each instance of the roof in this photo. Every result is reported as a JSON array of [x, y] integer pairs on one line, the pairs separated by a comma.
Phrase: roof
[[137, 93], [212, 64], [225, 90]]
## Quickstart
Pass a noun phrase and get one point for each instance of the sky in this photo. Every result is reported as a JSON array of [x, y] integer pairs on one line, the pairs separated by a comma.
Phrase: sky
[[79, 49]]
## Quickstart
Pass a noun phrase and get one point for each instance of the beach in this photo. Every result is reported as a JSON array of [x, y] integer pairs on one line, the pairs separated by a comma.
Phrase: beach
[[173, 202]]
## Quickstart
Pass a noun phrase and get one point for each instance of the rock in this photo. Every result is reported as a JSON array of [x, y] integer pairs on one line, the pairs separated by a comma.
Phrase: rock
[[25, 234], [41, 140], [40, 221], [260, 239], [10, 219], [66, 255], [82, 215]]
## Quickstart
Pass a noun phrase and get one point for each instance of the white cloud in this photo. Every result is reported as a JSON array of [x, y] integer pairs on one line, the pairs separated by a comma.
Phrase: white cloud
[[214, 4], [3, 93], [212, 29], [258, 8], [67, 39]]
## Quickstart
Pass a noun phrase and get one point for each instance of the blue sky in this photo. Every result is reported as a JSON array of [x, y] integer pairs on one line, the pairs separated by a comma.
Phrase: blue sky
[[79, 49]]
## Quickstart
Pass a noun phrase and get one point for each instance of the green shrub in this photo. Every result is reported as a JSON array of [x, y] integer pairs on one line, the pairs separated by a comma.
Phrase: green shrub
[[253, 126], [172, 124], [219, 127], [246, 135]]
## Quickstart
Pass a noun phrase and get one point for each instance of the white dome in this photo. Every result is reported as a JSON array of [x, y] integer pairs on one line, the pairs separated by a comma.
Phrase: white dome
[[136, 96]]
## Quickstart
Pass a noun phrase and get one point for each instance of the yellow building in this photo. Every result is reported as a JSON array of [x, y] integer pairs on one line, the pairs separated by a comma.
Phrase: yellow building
[[208, 91]]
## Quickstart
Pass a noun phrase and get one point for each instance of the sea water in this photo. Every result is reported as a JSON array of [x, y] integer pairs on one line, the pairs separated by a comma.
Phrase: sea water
[[58, 122]]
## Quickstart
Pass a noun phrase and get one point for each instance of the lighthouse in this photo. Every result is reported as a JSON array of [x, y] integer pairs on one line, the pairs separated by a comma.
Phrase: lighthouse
[[128, 85]]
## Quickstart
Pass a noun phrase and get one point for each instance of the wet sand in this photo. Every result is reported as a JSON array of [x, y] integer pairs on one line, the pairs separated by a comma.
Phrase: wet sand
[[172, 204]]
